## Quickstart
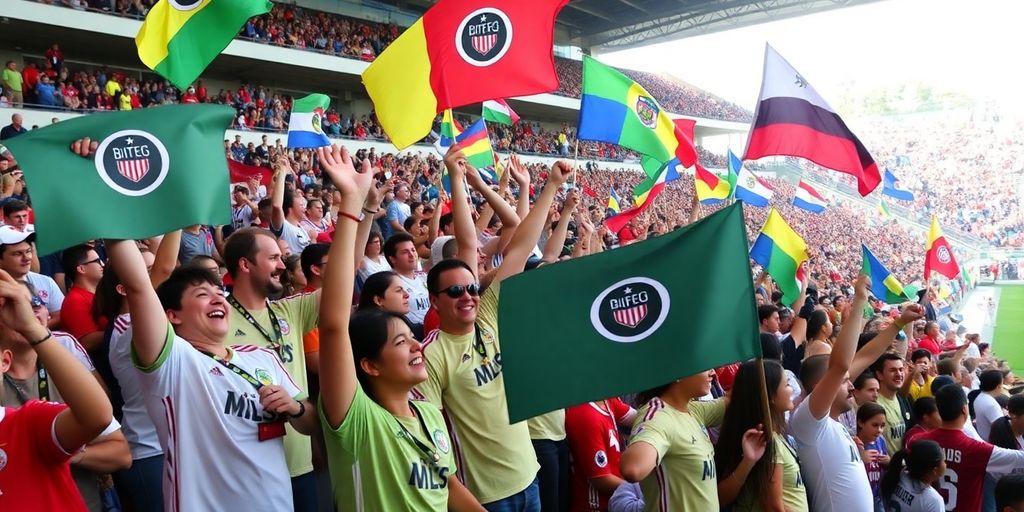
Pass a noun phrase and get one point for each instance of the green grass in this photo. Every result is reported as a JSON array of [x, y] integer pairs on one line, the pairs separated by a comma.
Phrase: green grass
[[1009, 332]]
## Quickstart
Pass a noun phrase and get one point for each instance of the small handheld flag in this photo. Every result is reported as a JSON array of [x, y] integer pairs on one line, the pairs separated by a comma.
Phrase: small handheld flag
[[890, 187], [939, 255], [781, 251], [614, 202], [809, 199], [884, 285], [751, 190], [498, 111], [305, 126]]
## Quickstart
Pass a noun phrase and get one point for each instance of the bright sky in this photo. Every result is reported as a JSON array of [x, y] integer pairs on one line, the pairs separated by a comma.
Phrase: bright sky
[[969, 47]]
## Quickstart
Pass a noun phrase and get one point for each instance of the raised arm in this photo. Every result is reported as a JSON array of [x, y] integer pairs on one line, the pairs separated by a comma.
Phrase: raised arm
[[840, 360], [337, 366], [462, 218], [149, 321], [89, 410], [371, 207], [522, 177], [553, 248], [526, 236], [166, 258], [883, 340], [281, 167]]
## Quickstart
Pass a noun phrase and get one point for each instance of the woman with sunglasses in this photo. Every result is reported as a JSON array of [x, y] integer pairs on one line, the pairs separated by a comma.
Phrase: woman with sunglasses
[[385, 452]]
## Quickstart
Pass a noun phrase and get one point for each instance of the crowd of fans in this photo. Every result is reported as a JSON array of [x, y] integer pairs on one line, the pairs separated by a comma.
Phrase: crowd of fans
[[298, 27]]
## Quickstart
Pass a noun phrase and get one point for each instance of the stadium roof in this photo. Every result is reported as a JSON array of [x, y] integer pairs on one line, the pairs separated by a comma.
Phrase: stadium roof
[[621, 24]]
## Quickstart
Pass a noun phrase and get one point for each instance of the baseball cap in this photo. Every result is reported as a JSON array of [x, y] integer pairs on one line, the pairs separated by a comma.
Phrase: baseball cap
[[11, 236], [437, 249]]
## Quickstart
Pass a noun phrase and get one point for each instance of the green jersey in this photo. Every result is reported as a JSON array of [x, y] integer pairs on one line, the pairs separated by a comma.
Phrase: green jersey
[[374, 466], [794, 495], [685, 478], [295, 317]]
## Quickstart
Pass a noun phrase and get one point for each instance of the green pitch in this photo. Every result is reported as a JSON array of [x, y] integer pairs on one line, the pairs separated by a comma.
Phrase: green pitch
[[1009, 332]]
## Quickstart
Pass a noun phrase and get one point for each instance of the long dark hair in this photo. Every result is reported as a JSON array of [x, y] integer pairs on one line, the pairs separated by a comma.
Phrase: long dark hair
[[921, 458], [107, 302], [744, 413], [368, 330], [375, 286], [816, 323]]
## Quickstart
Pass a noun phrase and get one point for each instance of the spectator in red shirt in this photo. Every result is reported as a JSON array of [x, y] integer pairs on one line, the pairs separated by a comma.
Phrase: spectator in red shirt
[[40, 438], [930, 341], [592, 430], [84, 266], [29, 78], [55, 57]]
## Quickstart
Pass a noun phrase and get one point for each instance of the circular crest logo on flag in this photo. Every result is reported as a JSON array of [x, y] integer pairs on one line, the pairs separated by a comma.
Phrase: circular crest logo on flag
[[441, 441], [484, 36], [132, 162], [944, 256], [751, 182], [185, 5], [647, 111], [316, 119], [630, 310]]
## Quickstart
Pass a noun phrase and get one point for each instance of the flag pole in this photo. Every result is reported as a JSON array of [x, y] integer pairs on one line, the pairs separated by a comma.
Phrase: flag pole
[[765, 405], [575, 161]]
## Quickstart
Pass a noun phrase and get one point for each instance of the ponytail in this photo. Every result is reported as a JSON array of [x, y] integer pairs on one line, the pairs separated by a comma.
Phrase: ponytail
[[891, 477], [925, 456]]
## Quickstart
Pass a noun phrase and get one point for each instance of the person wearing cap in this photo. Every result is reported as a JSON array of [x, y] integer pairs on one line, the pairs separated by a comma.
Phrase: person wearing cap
[[26, 379], [16, 253]]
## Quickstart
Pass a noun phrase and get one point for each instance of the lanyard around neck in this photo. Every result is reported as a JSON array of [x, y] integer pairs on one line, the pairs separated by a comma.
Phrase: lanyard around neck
[[277, 341]]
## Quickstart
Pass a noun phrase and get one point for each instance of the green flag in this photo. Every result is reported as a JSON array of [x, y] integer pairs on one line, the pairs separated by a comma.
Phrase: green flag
[[629, 319], [155, 170]]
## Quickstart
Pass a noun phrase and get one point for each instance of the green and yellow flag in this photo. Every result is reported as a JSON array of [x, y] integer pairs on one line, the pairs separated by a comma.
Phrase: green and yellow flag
[[181, 37]]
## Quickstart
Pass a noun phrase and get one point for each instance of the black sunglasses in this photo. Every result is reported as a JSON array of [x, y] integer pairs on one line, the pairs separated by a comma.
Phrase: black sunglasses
[[456, 291]]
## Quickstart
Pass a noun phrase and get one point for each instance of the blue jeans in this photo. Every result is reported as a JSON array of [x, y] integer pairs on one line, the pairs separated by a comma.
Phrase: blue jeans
[[553, 478], [140, 487], [526, 500], [988, 499], [304, 493]]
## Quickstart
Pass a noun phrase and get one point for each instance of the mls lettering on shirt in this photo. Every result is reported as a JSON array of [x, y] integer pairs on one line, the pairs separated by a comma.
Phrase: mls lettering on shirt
[[246, 406], [709, 469], [897, 431], [423, 476], [486, 373]]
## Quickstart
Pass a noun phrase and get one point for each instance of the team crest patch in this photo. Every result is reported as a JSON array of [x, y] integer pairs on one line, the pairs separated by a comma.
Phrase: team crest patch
[[285, 328], [441, 441], [601, 459], [647, 111], [484, 36], [630, 310], [3, 459], [132, 162], [751, 182], [264, 377], [944, 256], [185, 5]]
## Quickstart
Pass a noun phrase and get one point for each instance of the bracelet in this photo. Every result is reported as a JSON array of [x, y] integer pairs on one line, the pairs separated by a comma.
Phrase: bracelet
[[370, 212], [302, 410], [349, 216], [48, 336], [899, 326]]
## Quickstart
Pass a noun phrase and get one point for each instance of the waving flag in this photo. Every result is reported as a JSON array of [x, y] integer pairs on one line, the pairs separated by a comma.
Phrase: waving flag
[[792, 119], [617, 110], [890, 187], [884, 285], [179, 38], [614, 202], [883, 210], [498, 111], [644, 194], [462, 52], [474, 142], [939, 255], [304, 125], [723, 189], [809, 199], [781, 251], [751, 190]]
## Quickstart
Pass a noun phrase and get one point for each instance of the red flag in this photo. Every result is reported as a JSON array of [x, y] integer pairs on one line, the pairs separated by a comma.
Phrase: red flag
[[939, 256], [240, 173], [792, 119]]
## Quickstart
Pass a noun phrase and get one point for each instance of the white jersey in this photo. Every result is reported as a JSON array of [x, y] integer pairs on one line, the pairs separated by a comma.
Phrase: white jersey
[[371, 267], [986, 412], [207, 418], [419, 299], [47, 290], [138, 428], [296, 237], [830, 463], [913, 496]]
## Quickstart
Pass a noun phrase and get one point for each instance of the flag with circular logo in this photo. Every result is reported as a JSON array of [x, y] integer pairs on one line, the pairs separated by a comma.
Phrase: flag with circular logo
[[155, 170], [629, 319]]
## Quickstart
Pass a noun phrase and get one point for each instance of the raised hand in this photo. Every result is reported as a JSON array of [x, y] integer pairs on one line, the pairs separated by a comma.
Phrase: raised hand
[[571, 201], [519, 171], [754, 443], [911, 313], [455, 161], [560, 173], [84, 147], [16, 306], [862, 287], [353, 184]]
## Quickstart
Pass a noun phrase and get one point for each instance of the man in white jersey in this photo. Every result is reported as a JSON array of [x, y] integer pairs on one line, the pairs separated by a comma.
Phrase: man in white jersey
[[286, 211], [219, 411], [830, 461], [400, 251]]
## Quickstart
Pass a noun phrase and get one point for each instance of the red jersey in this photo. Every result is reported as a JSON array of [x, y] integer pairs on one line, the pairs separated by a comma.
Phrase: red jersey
[[967, 462], [595, 446], [930, 345], [34, 471], [76, 313]]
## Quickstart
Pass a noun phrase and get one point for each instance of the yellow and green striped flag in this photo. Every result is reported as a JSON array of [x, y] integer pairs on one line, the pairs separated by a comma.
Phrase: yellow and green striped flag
[[179, 38]]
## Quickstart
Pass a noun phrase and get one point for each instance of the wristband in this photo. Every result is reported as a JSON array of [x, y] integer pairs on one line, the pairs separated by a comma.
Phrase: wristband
[[48, 336], [302, 410], [370, 212], [899, 326], [349, 216]]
